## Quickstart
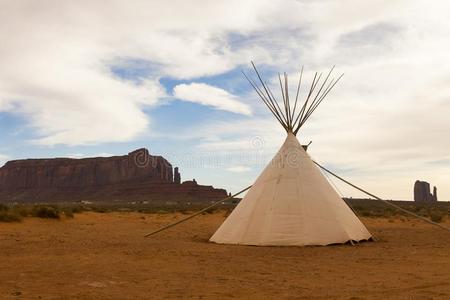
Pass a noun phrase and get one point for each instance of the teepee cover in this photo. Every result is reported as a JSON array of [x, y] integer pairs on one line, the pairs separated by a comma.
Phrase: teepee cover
[[291, 203]]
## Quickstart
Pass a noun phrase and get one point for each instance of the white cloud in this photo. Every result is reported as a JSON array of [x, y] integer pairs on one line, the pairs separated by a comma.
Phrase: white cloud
[[3, 159], [211, 96], [238, 169], [83, 155]]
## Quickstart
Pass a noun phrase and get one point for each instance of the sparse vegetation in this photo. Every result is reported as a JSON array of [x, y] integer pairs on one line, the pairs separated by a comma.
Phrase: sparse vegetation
[[436, 217], [18, 212], [21, 210], [211, 210], [45, 212], [3, 207], [77, 209], [373, 208], [437, 212], [68, 213], [99, 209], [8, 215]]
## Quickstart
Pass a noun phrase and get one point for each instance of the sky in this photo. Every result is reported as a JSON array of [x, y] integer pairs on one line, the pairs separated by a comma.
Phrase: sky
[[101, 78]]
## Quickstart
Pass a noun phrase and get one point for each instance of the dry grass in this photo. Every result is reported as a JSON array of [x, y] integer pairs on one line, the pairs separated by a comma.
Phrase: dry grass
[[437, 212]]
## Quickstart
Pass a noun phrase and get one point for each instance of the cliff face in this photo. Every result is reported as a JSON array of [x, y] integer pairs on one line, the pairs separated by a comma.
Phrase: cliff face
[[136, 176]]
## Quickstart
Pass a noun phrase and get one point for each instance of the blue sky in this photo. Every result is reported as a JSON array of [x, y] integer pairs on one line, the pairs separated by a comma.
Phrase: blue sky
[[85, 79]]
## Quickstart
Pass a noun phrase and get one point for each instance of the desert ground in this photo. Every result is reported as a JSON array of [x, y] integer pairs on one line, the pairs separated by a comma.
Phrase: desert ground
[[105, 256]]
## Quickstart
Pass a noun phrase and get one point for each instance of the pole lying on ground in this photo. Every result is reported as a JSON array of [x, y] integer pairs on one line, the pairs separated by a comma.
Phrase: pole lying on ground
[[378, 198], [197, 213]]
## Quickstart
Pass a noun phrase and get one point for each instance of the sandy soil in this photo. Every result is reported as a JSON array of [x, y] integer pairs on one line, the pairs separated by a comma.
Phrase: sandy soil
[[104, 256]]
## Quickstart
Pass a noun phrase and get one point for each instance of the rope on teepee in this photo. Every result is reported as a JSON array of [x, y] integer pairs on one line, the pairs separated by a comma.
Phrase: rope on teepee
[[347, 202], [340, 193], [384, 201]]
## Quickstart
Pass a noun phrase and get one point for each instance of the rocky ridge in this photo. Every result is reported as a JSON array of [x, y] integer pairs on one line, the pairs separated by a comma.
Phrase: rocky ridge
[[132, 177]]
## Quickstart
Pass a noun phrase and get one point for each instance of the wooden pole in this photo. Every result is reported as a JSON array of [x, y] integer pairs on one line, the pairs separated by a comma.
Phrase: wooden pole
[[284, 101], [318, 93], [286, 87], [296, 96], [265, 88], [275, 101], [271, 107], [305, 104], [320, 101]]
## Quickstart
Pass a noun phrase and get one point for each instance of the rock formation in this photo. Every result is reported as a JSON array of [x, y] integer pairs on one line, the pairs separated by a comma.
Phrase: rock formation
[[136, 176], [177, 177], [435, 194], [87, 172], [422, 192]]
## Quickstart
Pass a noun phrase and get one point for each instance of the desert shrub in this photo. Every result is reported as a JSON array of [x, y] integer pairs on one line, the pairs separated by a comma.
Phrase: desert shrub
[[46, 212], [69, 210], [78, 209], [68, 213], [99, 209], [210, 211], [9, 216], [228, 212], [3, 207], [436, 217], [21, 210], [364, 213]]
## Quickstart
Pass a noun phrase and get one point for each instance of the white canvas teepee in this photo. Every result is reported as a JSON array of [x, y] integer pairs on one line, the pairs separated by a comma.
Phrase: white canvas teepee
[[291, 203]]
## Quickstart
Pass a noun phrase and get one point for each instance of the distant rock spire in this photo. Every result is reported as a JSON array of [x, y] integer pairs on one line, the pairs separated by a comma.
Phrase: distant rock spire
[[177, 176], [422, 192]]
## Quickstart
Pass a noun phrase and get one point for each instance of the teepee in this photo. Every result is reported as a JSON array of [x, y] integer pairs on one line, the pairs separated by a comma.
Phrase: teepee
[[291, 203]]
